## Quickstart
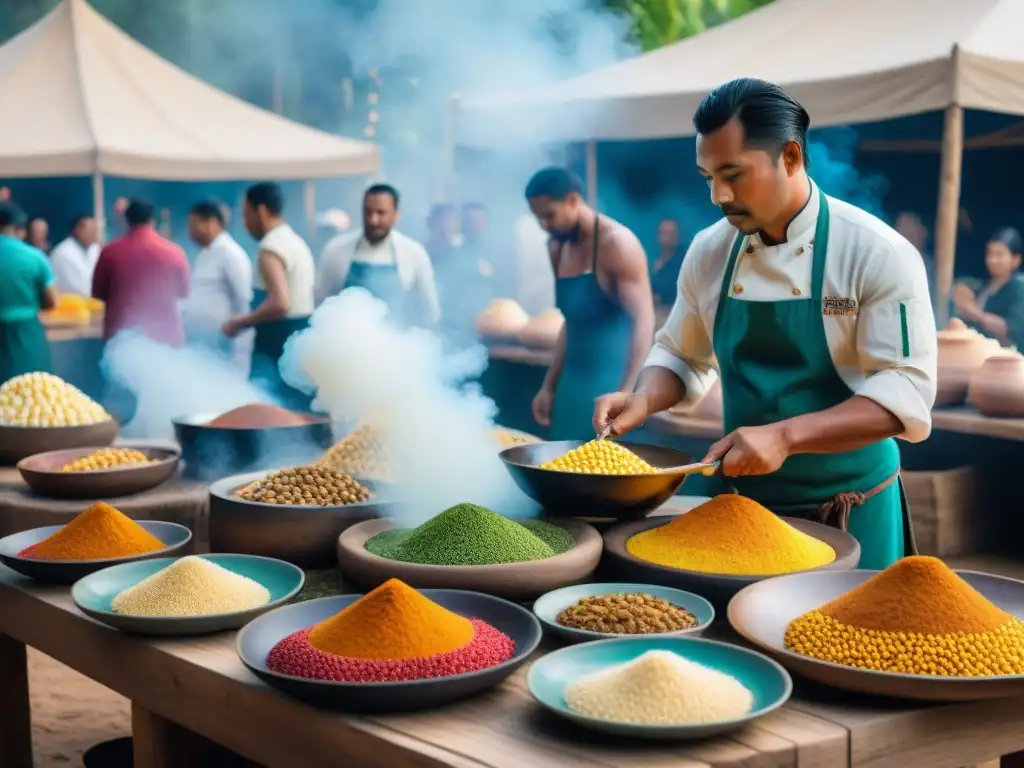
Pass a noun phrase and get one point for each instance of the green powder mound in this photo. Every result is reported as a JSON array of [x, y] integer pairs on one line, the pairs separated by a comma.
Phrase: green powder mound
[[467, 534]]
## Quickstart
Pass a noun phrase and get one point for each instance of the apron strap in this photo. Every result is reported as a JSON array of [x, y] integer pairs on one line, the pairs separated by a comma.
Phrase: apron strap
[[836, 511]]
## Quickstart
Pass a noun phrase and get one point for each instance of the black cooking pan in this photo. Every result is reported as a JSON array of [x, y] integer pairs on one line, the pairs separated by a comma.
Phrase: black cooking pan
[[569, 494]]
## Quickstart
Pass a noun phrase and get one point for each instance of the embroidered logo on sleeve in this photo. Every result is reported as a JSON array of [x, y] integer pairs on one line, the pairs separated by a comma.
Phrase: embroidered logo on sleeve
[[834, 305]]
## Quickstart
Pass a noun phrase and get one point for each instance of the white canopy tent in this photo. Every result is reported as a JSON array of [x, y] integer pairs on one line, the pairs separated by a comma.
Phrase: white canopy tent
[[82, 98], [847, 61]]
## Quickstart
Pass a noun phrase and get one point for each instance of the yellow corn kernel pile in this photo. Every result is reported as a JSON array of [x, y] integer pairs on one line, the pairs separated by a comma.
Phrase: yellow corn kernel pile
[[44, 400], [600, 457], [508, 438], [977, 654], [107, 458]]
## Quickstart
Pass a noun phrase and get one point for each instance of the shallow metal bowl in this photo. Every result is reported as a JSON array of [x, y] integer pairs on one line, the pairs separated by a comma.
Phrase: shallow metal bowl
[[210, 453], [568, 494]]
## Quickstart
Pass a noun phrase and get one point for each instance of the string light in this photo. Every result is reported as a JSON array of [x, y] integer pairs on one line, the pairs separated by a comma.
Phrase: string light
[[372, 98], [369, 131], [374, 116]]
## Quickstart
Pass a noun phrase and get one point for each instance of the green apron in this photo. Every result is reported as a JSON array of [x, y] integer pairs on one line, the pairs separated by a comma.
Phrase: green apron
[[775, 364], [23, 347], [597, 343], [267, 348]]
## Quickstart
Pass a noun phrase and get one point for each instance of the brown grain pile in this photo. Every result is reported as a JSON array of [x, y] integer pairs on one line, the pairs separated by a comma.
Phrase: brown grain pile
[[634, 613], [258, 416]]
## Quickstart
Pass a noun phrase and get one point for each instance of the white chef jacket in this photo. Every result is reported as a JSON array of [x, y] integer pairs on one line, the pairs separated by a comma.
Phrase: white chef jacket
[[73, 266], [884, 348], [415, 270]]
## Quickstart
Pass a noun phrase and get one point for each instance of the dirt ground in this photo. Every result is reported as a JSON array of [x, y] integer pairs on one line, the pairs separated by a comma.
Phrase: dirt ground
[[71, 713]]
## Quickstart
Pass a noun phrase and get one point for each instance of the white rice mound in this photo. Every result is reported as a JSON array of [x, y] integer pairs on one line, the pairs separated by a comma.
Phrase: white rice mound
[[191, 586], [659, 688]]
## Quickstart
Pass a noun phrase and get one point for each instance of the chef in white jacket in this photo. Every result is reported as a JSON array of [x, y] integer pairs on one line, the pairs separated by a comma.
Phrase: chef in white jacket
[[817, 317], [221, 285], [74, 258]]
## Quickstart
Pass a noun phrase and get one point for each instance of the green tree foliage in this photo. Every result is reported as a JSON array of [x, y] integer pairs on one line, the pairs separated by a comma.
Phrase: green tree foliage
[[656, 23]]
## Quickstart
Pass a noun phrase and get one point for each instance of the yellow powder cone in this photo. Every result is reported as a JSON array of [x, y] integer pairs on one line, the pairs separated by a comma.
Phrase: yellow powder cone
[[394, 621], [731, 534], [98, 533]]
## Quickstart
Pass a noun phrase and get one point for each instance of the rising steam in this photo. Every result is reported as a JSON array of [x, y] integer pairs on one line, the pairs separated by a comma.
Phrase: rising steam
[[438, 426]]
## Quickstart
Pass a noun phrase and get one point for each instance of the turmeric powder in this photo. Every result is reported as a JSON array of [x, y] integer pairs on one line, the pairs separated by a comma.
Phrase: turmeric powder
[[915, 617], [99, 533], [394, 621], [731, 534]]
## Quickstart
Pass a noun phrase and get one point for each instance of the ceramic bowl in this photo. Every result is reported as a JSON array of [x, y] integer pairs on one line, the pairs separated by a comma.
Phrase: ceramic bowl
[[304, 535], [716, 587], [17, 443], [95, 593], [258, 637], [514, 581], [761, 613], [42, 474], [765, 679], [69, 571], [553, 603], [570, 494]]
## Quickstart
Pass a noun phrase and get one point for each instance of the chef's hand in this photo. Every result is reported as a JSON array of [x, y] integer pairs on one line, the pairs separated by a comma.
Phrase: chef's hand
[[541, 406], [751, 451], [230, 328], [623, 411]]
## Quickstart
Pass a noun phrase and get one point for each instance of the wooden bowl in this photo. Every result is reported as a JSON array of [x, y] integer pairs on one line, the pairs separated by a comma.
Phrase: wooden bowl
[[515, 581], [716, 587], [761, 612], [304, 535], [570, 494], [259, 637], [17, 443], [42, 473]]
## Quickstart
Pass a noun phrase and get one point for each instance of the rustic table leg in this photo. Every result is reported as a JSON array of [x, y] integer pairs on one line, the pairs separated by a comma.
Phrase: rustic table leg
[[159, 743], [15, 709]]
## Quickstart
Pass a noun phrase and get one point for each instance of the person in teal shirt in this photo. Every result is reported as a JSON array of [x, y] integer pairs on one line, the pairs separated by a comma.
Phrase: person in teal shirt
[[813, 314], [26, 287]]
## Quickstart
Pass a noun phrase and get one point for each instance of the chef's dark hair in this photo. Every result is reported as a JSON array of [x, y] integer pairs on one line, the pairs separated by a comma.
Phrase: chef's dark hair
[[383, 189], [209, 209], [770, 117], [79, 219], [553, 182], [268, 194], [1011, 238], [11, 216], [139, 212]]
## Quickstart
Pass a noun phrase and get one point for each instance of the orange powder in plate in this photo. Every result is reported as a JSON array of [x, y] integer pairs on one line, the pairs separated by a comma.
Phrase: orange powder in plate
[[258, 416], [98, 533], [394, 621]]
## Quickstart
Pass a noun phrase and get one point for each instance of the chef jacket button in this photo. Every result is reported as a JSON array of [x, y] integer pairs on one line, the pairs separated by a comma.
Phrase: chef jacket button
[[737, 289], [812, 241], [796, 291], [750, 249], [799, 250]]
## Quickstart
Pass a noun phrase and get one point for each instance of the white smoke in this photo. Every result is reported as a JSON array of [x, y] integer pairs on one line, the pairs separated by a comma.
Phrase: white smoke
[[438, 427]]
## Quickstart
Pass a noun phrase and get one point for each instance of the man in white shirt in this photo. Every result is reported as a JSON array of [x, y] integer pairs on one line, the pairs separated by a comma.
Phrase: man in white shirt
[[75, 257], [392, 266], [817, 317], [221, 284], [282, 290]]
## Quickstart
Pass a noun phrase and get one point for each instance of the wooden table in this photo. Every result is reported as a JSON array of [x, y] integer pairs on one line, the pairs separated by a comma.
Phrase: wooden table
[[184, 687]]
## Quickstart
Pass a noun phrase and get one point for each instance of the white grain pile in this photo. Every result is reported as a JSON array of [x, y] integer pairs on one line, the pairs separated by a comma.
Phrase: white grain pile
[[659, 688], [191, 586]]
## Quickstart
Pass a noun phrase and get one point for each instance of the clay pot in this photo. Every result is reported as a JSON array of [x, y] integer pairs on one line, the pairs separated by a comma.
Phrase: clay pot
[[542, 331], [708, 407], [503, 319], [997, 387], [961, 353]]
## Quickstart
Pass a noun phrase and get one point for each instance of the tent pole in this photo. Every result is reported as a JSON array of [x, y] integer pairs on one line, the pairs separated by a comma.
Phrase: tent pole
[[948, 212], [448, 191], [591, 172], [98, 207], [309, 204]]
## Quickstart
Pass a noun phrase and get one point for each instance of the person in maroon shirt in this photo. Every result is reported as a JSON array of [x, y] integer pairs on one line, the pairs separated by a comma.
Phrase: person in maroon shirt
[[141, 277]]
